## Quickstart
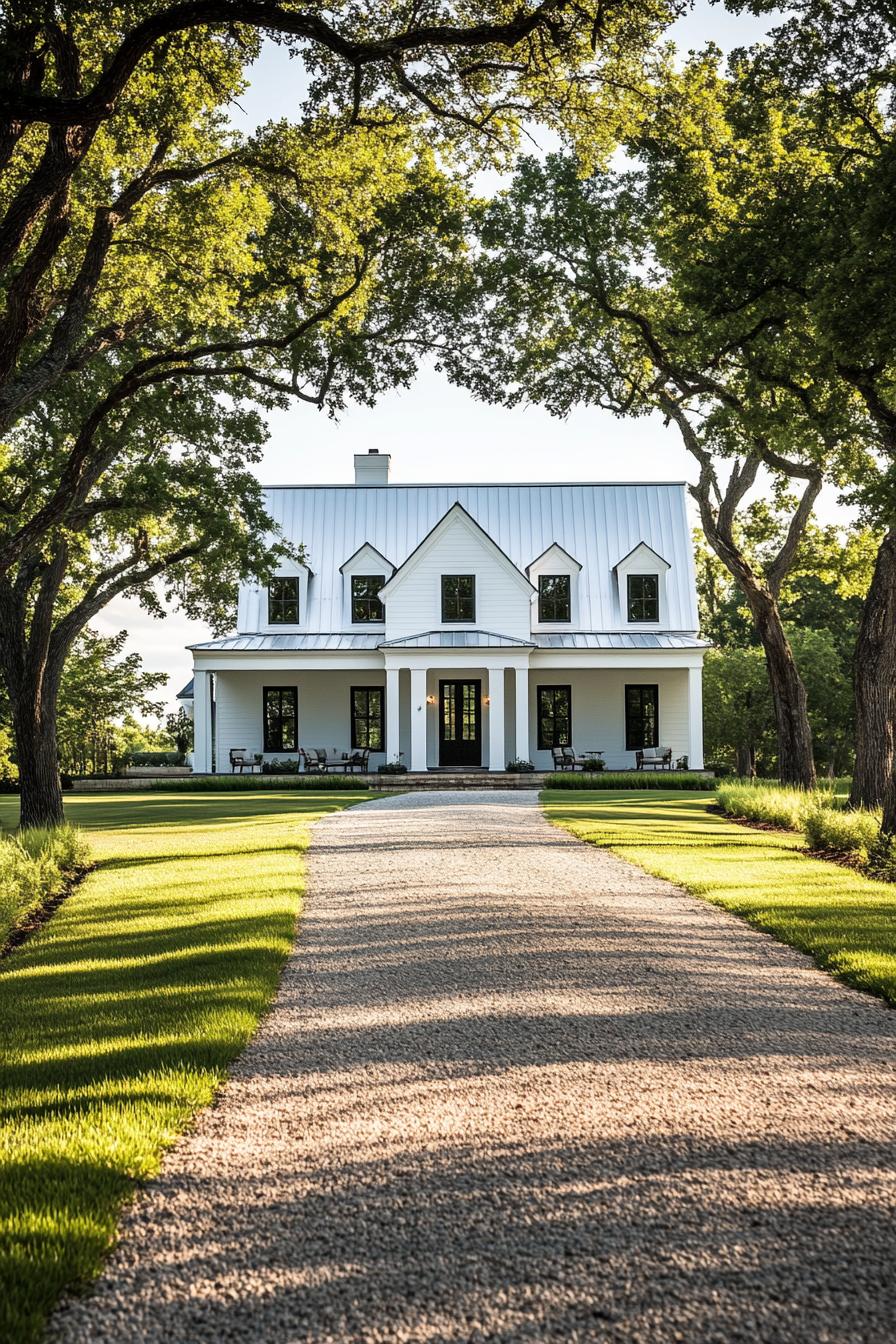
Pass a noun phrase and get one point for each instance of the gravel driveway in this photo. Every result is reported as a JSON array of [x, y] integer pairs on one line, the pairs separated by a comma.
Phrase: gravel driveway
[[514, 1089]]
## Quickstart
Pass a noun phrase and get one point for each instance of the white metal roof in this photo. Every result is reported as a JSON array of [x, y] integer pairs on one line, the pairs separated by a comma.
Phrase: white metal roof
[[444, 639], [457, 639], [599, 524]]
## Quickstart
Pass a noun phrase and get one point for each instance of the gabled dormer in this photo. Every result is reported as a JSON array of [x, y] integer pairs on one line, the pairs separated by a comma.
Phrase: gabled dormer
[[641, 589], [555, 576], [364, 575], [457, 578], [279, 606]]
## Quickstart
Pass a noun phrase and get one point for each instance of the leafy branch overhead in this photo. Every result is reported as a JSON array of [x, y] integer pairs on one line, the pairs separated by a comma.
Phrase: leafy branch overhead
[[165, 281]]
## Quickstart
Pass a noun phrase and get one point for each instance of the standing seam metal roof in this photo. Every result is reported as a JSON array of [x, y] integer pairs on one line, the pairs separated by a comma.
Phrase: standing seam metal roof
[[598, 524]]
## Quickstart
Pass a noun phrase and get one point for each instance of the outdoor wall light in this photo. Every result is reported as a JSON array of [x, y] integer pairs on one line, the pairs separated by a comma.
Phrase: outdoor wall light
[[486, 699], [430, 699]]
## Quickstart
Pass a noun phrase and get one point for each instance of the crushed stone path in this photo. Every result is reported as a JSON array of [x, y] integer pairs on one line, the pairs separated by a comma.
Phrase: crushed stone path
[[514, 1089]]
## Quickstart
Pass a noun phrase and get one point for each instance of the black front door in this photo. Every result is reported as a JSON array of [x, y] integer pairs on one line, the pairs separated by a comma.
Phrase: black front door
[[460, 735]]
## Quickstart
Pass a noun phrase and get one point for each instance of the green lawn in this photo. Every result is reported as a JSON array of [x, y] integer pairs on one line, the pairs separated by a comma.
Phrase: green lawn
[[119, 1019], [845, 921]]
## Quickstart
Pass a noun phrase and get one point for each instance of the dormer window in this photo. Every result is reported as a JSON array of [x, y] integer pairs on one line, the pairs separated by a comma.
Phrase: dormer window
[[283, 601], [643, 598], [458, 598], [366, 604], [554, 598]]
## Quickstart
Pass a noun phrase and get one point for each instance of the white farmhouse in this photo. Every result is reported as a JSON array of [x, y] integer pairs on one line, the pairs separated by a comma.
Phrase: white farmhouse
[[460, 626]]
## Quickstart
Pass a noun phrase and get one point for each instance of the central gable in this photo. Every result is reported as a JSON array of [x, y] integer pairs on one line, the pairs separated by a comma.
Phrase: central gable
[[457, 545]]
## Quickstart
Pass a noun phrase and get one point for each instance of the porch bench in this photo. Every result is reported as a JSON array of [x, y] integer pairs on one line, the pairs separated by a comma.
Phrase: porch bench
[[241, 760], [654, 758], [565, 758]]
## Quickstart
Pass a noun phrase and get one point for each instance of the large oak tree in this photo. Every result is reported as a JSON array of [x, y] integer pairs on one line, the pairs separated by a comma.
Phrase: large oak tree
[[163, 279]]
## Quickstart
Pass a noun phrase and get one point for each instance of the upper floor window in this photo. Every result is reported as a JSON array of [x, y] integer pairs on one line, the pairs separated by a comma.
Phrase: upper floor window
[[458, 598], [366, 605], [643, 597], [283, 602], [554, 603]]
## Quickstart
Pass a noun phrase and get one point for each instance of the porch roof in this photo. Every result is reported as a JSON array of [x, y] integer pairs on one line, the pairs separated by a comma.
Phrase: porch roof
[[347, 641], [641, 639], [457, 639], [309, 643]]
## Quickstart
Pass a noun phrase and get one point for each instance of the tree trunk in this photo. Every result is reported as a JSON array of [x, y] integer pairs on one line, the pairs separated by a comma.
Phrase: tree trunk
[[746, 761], [796, 764], [35, 729], [33, 689], [875, 684]]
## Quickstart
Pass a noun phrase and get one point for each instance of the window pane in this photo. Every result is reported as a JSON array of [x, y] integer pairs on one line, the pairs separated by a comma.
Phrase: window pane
[[366, 605], [280, 718], [641, 717], [458, 597], [283, 602], [554, 597], [554, 717], [643, 597], [368, 729]]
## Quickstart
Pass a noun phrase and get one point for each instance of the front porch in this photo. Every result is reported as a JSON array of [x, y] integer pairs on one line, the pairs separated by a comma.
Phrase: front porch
[[437, 713]]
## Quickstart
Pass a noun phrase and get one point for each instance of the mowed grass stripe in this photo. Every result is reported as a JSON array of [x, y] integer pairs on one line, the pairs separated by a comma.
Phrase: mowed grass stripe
[[119, 1019], [845, 921]]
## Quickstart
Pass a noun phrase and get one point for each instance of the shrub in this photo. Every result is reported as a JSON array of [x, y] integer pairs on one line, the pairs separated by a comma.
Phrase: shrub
[[721, 769], [882, 858], [837, 831], [284, 767], [35, 866], [593, 764], [153, 758], [629, 779], [392, 768], [777, 806], [519, 767], [233, 783]]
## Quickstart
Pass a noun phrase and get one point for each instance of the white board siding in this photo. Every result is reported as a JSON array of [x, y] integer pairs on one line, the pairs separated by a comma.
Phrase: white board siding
[[598, 710], [415, 604], [324, 712]]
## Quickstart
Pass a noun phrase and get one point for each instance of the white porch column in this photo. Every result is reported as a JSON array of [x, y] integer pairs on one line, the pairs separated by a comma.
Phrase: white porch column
[[695, 718], [522, 712], [202, 723], [496, 758], [418, 718], [393, 721]]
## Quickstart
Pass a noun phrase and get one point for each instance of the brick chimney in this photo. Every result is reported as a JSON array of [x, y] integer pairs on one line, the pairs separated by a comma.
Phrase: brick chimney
[[372, 467]]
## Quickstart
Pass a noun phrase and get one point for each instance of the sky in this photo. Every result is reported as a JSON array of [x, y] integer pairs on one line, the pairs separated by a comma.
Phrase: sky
[[433, 431]]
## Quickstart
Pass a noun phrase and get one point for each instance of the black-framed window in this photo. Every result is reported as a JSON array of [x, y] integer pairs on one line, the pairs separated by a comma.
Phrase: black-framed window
[[280, 718], [554, 717], [366, 605], [283, 602], [643, 597], [554, 597], [368, 718], [642, 717], [458, 597]]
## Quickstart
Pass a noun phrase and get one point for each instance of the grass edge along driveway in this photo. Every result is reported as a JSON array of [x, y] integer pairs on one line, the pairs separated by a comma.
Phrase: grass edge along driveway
[[119, 1019], [846, 922]]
